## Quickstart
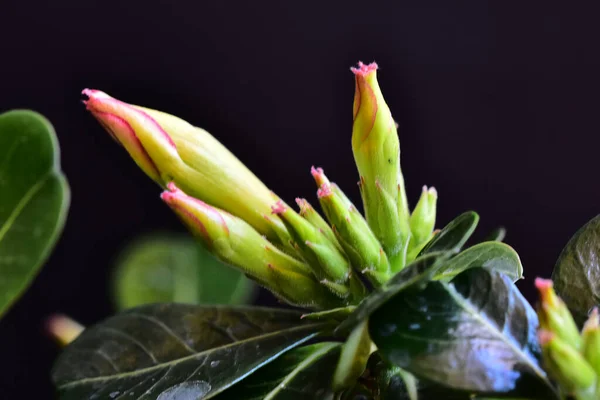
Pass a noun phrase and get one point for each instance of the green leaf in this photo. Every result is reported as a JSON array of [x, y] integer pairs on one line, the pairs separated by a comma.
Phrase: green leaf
[[476, 333], [491, 255], [419, 272], [171, 351], [497, 235], [354, 357], [454, 235], [34, 199], [300, 374], [576, 275], [164, 268]]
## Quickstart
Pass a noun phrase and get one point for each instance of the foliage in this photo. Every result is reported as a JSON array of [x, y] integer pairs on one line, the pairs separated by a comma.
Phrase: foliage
[[34, 199]]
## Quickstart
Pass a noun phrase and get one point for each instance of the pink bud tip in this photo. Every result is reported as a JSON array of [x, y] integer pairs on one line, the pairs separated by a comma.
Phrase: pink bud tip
[[364, 69], [316, 172], [303, 205], [324, 191], [278, 208], [545, 337], [543, 285]]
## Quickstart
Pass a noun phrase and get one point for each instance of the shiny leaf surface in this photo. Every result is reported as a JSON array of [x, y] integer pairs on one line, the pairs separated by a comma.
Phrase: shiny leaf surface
[[454, 235], [491, 255], [418, 272], [304, 373], [576, 275], [34, 199], [172, 351], [476, 333]]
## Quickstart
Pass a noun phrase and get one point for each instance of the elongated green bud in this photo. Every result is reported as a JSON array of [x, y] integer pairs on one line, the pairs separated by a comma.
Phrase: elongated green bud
[[235, 242], [169, 149], [376, 151], [591, 341], [314, 246], [311, 215], [554, 315], [353, 233], [422, 220], [567, 365]]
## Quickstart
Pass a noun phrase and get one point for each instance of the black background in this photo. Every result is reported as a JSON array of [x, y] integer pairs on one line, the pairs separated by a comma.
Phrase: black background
[[497, 104]]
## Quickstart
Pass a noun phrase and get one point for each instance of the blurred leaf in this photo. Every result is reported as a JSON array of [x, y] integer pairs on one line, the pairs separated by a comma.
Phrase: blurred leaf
[[300, 374], [176, 351], [34, 199], [497, 235], [454, 235], [172, 268], [491, 255], [476, 333], [576, 275]]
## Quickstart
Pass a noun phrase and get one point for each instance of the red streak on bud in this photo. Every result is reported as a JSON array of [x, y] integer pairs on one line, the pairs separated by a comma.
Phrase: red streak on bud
[[545, 337], [181, 203], [278, 208], [98, 101], [324, 191]]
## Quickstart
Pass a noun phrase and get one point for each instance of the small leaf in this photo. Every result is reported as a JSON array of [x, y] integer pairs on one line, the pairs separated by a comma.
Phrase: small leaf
[[34, 199], [476, 333], [354, 357], [491, 255], [418, 272], [454, 235], [164, 268], [497, 235], [170, 350], [576, 275], [300, 374]]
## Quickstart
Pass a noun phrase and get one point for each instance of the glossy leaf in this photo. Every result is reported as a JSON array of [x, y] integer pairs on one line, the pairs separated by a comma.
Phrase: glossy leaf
[[34, 199], [174, 350], [491, 255], [419, 272], [454, 235], [476, 333], [576, 275], [304, 373], [167, 268]]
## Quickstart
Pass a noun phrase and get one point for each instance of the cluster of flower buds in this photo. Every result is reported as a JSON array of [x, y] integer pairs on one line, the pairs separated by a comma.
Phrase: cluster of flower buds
[[571, 357], [303, 258]]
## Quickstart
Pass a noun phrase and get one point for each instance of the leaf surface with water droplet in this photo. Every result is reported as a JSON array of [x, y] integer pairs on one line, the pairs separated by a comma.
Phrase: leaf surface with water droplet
[[150, 351]]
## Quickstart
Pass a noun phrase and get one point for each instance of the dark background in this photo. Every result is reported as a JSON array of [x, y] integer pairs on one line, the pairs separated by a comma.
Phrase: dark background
[[497, 105]]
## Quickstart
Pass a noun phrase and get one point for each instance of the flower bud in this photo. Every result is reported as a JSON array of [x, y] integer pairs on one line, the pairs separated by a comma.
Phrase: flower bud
[[168, 149], [311, 215], [566, 364], [376, 151], [591, 341], [63, 329], [422, 220], [235, 242], [329, 264], [554, 315], [313, 245], [353, 233]]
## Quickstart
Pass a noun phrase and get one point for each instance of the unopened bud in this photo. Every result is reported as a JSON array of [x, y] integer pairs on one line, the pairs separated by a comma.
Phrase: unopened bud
[[591, 341], [169, 149], [566, 364], [376, 151], [422, 220], [554, 315]]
